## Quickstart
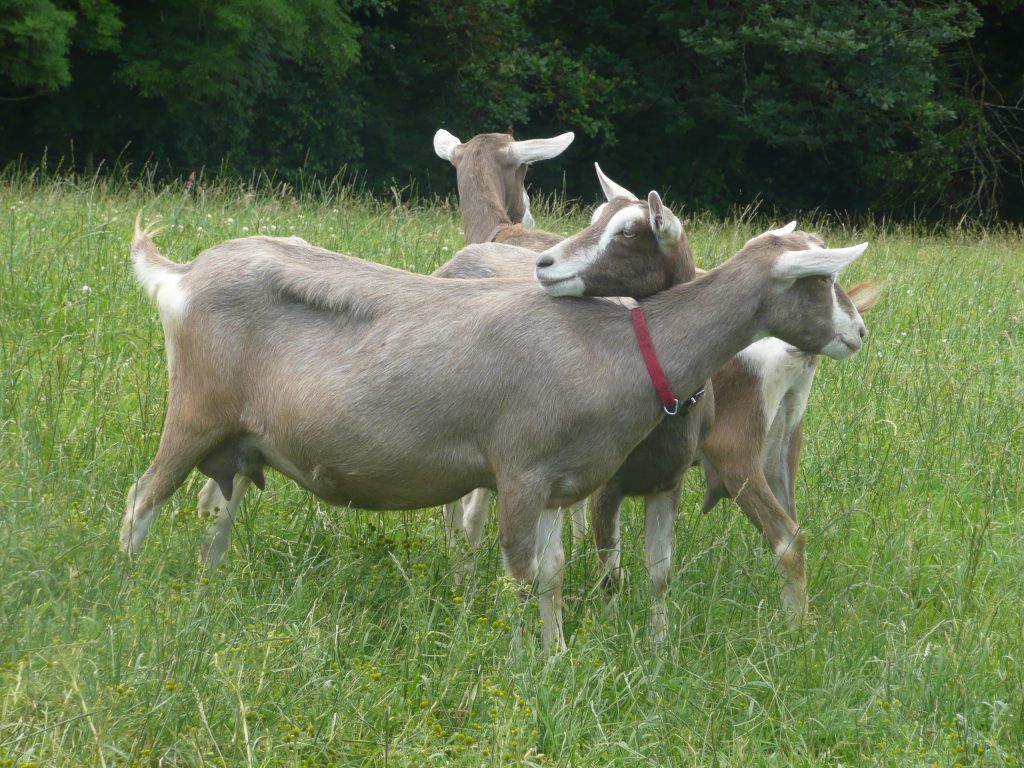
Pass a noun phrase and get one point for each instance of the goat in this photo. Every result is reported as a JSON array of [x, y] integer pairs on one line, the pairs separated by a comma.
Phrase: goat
[[495, 207], [751, 449], [381, 389], [491, 169]]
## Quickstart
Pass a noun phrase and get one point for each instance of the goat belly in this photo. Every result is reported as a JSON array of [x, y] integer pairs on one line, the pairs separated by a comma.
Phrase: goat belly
[[343, 482]]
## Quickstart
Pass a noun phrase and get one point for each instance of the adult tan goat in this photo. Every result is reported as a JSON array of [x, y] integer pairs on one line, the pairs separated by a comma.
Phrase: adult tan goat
[[495, 209], [381, 389]]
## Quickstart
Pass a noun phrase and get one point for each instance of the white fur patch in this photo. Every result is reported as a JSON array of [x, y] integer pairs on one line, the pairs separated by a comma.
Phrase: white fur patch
[[161, 285], [780, 372], [572, 286], [171, 298]]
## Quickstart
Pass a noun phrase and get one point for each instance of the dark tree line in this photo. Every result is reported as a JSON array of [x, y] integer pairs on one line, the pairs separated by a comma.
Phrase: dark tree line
[[892, 106]]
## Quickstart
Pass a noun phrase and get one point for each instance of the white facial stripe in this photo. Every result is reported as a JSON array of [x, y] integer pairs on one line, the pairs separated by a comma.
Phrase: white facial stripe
[[844, 321], [597, 212], [847, 329], [583, 257], [631, 216]]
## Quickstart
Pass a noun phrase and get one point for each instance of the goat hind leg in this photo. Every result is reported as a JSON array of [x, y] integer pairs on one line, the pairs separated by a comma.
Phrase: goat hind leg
[[218, 535], [177, 455], [578, 516], [468, 514]]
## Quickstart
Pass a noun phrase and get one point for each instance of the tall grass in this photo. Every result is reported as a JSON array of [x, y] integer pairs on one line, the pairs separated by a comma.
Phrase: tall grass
[[336, 637]]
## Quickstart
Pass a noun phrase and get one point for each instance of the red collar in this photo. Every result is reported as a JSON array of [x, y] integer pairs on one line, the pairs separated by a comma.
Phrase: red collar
[[669, 401]]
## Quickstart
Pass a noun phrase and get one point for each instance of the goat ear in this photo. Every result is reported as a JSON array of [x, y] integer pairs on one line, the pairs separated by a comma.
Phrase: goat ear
[[532, 150], [611, 189], [666, 227], [445, 145], [792, 265], [865, 295], [788, 229]]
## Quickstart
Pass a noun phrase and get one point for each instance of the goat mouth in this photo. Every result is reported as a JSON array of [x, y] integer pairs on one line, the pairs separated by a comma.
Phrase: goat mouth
[[547, 282], [853, 346], [561, 286]]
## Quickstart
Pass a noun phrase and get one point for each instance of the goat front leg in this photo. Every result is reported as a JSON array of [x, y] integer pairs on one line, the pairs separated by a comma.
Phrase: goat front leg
[[796, 439], [749, 488], [660, 510], [519, 527], [218, 535], [551, 559], [604, 519]]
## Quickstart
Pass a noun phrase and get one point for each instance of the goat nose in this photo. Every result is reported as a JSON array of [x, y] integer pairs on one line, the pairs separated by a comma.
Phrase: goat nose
[[863, 331], [545, 261]]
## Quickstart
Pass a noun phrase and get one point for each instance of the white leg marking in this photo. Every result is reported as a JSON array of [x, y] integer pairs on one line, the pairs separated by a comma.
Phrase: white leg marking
[[610, 560], [578, 515], [551, 559], [137, 520], [660, 515], [476, 506], [468, 514], [218, 535], [452, 513], [789, 554]]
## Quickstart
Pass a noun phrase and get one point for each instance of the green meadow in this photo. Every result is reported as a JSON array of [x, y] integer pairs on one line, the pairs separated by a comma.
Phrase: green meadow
[[336, 637]]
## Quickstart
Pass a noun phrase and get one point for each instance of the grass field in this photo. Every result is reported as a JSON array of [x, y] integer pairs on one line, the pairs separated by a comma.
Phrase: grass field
[[335, 637]]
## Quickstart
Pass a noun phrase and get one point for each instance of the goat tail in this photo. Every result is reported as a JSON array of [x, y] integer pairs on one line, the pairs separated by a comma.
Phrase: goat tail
[[159, 277], [865, 295]]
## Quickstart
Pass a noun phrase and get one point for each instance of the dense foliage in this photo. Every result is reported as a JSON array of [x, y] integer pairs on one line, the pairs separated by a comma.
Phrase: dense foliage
[[883, 105]]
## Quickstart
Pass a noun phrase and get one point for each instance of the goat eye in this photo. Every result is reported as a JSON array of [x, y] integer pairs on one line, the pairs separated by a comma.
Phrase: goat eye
[[627, 234]]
